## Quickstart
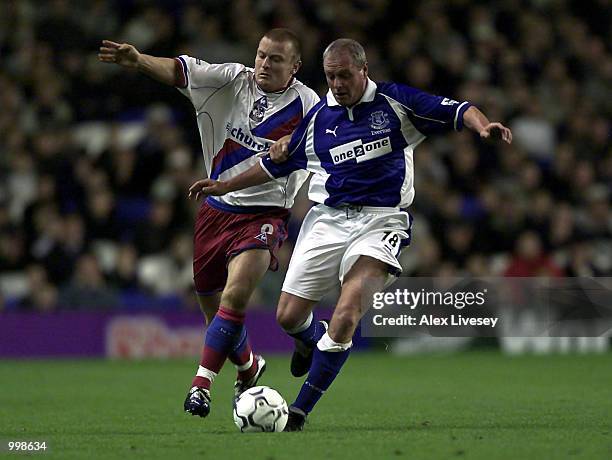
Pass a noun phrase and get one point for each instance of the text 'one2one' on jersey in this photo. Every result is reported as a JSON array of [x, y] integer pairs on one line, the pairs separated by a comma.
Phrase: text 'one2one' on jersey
[[363, 155], [239, 121]]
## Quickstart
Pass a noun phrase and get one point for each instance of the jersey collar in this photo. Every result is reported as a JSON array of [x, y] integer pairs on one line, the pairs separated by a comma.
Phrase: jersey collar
[[368, 95]]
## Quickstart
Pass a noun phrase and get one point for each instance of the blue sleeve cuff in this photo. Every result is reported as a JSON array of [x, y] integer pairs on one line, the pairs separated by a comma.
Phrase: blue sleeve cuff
[[458, 123], [266, 167]]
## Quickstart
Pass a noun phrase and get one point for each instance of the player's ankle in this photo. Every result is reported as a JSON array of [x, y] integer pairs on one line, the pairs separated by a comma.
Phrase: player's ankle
[[201, 382], [248, 373]]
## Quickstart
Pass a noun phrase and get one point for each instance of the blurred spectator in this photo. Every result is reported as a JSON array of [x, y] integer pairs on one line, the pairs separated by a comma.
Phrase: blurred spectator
[[12, 251], [534, 132], [153, 235], [478, 265], [88, 290], [530, 260], [43, 296], [101, 222], [579, 261], [125, 274], [562, 231], [428, 256], [595, 218], [458, 243]]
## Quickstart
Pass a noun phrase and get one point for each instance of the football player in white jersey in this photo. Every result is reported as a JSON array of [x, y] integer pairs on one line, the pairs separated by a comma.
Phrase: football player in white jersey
[[240, 112], [358, 141]]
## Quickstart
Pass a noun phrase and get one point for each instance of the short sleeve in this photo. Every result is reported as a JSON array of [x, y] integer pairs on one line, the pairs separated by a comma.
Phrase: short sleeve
[[197, 74], [429, 113], [309, 99]]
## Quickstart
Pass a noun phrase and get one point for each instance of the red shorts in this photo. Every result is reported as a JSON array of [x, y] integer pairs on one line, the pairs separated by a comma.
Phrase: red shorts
[[220, 235]]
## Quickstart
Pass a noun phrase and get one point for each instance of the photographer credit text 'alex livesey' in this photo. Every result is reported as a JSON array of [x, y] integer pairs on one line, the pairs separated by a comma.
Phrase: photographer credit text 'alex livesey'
[[491, 307]]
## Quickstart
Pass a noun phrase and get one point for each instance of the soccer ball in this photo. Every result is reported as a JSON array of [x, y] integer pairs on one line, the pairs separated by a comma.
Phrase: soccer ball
[[260, 409]]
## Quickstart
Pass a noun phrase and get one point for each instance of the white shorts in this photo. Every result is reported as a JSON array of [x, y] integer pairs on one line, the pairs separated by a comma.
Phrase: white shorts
[[332, 239]]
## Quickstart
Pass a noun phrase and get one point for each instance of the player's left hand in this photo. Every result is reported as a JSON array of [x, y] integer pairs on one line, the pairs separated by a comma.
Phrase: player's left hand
[[206, 187], [279, 151], [497, 130]]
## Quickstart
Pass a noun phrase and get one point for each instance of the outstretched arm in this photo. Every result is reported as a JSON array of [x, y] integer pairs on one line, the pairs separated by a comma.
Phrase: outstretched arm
[[164, 70], [251, 177], [477, 121]]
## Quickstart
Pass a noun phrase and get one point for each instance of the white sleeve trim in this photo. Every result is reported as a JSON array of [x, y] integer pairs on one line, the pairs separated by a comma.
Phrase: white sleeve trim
[[457, 113], [261, 163]]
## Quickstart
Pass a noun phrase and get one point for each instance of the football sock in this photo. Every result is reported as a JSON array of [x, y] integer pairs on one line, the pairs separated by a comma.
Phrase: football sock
[[328, 359], [221, 336], [309, 332], [242, 357]]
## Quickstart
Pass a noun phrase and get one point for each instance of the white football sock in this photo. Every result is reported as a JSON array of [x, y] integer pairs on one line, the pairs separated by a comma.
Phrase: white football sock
[[326, 343]]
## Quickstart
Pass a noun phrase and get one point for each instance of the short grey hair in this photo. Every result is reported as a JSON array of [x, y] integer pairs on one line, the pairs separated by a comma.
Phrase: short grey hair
[[352, 47]]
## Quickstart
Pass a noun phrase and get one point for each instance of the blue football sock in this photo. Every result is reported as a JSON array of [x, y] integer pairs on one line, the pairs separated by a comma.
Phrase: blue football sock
[[222, 335], [324, 369], [311, 334], [225, 331], [242, 356], [241, 345]]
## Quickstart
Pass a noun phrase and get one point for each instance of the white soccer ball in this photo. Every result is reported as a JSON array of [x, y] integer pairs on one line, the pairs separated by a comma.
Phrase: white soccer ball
[[260, 409]]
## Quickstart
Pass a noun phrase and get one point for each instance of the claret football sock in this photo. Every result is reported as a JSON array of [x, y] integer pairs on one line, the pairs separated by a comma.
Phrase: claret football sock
[[328, 359], [223, 332]]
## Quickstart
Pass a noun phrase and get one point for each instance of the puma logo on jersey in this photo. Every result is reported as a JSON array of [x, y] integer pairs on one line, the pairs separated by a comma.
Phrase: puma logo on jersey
[[329, 131]]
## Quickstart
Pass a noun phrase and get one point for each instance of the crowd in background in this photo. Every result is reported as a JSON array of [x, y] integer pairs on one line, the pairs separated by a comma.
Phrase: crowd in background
[[95, 161]]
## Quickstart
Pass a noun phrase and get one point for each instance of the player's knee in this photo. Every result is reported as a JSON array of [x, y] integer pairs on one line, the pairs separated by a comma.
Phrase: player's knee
[[347, 318], [235, 298], [285, 318]]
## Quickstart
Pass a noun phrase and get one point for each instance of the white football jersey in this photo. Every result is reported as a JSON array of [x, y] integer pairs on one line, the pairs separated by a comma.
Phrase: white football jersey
[[237, 121]]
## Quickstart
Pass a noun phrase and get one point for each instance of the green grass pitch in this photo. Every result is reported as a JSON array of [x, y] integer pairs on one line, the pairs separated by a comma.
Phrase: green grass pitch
[[475, 405]]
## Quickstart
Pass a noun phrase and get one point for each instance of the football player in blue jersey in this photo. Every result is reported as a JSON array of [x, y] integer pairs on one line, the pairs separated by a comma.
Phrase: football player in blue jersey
[[358, 144]]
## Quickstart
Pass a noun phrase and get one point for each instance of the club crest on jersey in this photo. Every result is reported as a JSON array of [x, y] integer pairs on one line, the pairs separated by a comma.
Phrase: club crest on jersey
[[259, 109], [379, 120], [266, 229]]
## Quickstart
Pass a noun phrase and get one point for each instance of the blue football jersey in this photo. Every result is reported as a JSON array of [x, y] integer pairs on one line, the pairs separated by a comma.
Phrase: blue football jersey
[[363, 155]]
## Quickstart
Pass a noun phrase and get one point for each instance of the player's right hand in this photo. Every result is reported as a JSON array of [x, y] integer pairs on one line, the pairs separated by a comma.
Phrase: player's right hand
[[279, 151], [207, 187], [118, 53]]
